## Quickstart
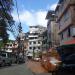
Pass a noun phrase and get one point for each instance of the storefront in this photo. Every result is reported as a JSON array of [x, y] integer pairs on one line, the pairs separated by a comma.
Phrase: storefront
[[66, 50]]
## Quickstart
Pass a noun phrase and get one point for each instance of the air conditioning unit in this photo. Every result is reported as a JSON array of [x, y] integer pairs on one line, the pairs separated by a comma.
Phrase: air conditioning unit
[[73, 32]]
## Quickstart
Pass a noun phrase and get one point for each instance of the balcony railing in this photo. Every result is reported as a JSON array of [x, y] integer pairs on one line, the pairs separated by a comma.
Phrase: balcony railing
[[63, 6]]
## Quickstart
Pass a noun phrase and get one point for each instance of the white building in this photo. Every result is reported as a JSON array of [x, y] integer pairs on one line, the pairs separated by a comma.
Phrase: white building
[[11, 46], [35, 41]]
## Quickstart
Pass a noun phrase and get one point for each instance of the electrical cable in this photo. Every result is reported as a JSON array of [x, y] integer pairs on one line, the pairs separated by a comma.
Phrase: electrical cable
[[17, 11]]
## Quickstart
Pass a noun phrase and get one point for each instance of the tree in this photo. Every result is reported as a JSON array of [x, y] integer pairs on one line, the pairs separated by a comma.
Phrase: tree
[[6, 20]]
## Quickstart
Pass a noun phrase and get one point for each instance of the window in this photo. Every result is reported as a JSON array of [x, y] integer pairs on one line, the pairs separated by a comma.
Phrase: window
[[30, 43], [31, 37], [69, 32], [35, 38], [34, 42], [62, 36], [4, 54], [10, 44], [7, 45], [34, 48], [59, 24], [38, 47], [38, 42], [66, 16], [30, 47]]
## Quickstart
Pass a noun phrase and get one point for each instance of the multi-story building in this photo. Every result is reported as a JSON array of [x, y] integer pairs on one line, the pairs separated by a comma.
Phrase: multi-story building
[[26, 42], [11, 46], [35, 41], [21, 38], [52, 30], [65, 12], [44, 41]]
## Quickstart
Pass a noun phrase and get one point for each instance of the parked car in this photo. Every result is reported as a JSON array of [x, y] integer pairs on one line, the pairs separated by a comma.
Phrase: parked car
[[6, 58], [36, 59], [67, 67], [21, 60], [69, 63], [1, 61]]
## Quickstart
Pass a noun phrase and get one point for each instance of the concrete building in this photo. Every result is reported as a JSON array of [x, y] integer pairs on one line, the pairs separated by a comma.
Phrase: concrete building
[[65, 12], [44, 40], [21, 38], [35, 41], [26, 42], [11, 46], [52, 30]]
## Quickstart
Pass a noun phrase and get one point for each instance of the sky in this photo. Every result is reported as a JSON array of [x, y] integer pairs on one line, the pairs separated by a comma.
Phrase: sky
[[32, 12]]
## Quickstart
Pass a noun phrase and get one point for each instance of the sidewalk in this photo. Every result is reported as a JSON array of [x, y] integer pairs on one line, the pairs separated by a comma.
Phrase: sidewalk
[[35, 67]]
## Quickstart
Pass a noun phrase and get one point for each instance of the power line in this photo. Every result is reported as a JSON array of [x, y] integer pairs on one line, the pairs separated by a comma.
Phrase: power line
[[17, 11], [19, 26]]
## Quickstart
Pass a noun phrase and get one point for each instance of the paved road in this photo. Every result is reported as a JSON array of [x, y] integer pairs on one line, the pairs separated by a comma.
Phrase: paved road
[[36, 67], [16, 70], [43, 74]]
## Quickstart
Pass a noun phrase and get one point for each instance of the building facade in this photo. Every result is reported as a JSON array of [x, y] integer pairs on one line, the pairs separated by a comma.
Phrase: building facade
[[11, 47], [26, 42], [35, 40], [52, 30], [44, 41], [65, 12]]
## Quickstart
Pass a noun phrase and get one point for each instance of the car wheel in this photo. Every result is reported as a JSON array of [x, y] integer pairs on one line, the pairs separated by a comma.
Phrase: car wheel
[[3, 63], [10, 63]]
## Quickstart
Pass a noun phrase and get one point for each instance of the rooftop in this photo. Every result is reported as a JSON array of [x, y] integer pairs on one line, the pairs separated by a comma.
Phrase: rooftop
[[50, 14], [60, 1]]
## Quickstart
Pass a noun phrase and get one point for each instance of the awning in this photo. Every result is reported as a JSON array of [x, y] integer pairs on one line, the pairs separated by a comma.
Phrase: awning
[[66, 46], [70, 42]]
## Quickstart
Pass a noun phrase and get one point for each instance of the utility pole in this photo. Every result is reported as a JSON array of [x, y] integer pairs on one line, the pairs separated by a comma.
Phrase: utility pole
[[19, 42], [33, 53]]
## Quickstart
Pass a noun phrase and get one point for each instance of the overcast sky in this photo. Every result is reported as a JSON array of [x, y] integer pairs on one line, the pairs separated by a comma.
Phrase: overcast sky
[[33, 12]]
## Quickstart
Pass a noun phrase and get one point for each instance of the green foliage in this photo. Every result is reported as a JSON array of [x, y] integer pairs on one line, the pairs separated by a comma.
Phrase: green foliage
[[6, 20], [1, 44]]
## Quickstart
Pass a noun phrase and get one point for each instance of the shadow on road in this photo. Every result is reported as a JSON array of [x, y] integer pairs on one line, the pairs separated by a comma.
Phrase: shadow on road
[[11, 66]]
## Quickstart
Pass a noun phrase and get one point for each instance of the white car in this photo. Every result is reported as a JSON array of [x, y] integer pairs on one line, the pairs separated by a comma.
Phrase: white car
[[37, 59]]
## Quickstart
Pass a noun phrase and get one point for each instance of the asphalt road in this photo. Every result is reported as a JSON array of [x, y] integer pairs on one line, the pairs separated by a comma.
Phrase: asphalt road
[[16, 70], [20, 69]]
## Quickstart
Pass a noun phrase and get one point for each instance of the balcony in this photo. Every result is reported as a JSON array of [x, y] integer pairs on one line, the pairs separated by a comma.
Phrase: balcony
[[31, 40], [33, 36], [63, 6], [65, 25], [73, 15], [66, 20], [36, 45]]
